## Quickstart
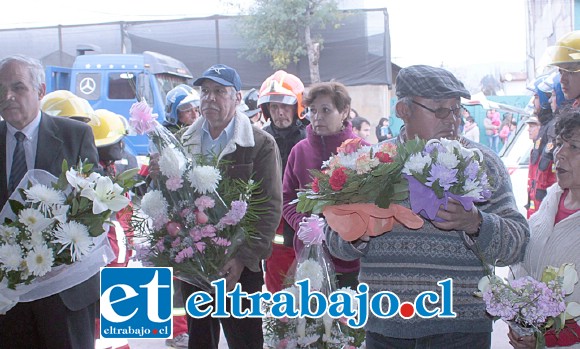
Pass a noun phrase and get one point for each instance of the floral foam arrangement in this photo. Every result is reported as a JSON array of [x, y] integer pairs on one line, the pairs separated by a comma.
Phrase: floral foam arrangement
[[357, 189], [532, 306], [195, 218], [312, 263], [52, 232], [445, 169]]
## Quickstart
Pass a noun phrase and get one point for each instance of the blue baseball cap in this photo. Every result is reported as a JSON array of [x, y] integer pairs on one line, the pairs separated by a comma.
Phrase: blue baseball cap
[[223, 75]]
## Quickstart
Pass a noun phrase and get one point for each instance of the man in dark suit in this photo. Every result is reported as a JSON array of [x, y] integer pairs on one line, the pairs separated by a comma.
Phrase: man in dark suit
[[66, 319]]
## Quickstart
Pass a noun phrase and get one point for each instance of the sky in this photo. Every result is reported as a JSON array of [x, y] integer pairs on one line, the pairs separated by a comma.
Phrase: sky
[[443, 32]]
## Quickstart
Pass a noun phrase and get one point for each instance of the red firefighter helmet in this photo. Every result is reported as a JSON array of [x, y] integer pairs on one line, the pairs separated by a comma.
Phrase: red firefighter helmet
[[281, 87]]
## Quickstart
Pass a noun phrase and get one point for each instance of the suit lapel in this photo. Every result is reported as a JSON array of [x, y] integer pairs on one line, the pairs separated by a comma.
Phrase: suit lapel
[[49, 145], [3, 181]]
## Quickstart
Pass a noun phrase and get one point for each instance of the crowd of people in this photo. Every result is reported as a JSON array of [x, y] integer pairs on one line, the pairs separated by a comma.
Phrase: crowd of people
[[276, 135]]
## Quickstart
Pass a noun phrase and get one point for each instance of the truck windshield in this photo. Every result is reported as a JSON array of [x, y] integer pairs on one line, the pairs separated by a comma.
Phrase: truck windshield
[[166, 82]]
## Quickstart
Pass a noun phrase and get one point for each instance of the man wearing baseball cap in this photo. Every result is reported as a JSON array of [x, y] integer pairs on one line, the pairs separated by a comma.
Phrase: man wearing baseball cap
[[248, 152], [408, 262]]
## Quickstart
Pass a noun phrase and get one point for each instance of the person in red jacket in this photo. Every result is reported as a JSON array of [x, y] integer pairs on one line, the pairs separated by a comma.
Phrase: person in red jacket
[[541, 172], [329, 104]]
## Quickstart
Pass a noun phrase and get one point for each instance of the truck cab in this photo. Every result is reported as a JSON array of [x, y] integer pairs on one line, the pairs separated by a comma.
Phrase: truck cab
[[116, 81]]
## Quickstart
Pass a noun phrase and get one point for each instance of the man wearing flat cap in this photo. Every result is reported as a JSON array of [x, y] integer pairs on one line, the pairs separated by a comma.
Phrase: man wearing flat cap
[[244, 152], [408, 262]]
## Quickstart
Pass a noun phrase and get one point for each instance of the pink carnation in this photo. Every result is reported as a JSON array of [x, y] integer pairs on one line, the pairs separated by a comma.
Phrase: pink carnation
[[204, 202], [183, 254], [142, 120], [200, 246], [174, 183], [176, 242], [221, 241], [234, 215]]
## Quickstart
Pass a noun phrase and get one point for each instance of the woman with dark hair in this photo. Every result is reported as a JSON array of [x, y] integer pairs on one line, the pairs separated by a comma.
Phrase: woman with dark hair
[[383, 130], [329, 104], [554, 237]]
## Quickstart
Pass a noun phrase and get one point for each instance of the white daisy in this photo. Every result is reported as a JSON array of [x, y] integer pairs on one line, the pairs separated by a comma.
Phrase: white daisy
[[44, 196], [416, 164], [36, 239], [106, 196], [75, 236], [33, 219], [310, 269], [204, 179], [172, 162], [10, 257], [39, 260], [8, 234]]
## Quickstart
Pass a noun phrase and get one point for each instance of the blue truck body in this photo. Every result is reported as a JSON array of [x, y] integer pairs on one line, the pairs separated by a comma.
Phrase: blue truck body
[[116, 81]]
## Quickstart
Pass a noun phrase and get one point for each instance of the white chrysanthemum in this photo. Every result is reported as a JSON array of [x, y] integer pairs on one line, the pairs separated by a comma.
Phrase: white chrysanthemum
[[39, 260], [204, 179], [310, 269], [472, 189], [348, 160], [10, 257], [79, 181], [33, 219], [106, 196], [416, 163], [352, 294], [44, 196], [172, 162], [8, 234], [75, 236], [154, 204], [449, 160]]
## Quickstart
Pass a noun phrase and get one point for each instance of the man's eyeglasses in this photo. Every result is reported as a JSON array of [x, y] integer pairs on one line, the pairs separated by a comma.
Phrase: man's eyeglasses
[[441, 113]]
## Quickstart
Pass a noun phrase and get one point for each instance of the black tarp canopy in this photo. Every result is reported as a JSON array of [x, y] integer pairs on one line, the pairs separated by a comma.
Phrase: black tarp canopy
[[357, 53]]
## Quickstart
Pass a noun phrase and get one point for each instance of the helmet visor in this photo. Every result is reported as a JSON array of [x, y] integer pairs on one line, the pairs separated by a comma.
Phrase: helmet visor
[[275, 98], [567, 58]]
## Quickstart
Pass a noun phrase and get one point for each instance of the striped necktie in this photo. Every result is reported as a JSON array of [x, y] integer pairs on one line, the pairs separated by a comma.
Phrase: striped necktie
[[18, 162]]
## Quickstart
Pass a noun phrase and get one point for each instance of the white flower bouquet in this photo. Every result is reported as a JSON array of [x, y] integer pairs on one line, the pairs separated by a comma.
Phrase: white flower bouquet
[[52, 232], [194, 219], [313, 264]]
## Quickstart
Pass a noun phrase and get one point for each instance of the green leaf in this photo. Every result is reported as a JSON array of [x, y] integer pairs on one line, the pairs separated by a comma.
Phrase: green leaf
[[127, 175], [16, 206]]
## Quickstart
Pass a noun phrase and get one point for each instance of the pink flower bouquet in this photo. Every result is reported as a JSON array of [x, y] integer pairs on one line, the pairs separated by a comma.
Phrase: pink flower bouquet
[[193, 218]]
